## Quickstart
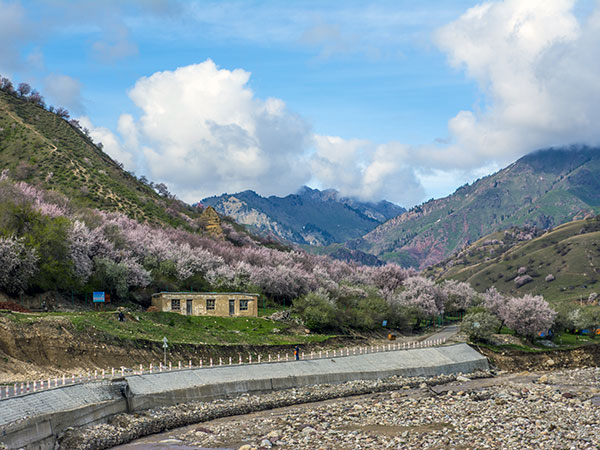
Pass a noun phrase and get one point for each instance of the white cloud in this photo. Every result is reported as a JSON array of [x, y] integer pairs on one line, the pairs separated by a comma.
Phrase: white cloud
[[112, 145], [64, 91], [203, 132], [359, 169], [537, 67], [15, 31]]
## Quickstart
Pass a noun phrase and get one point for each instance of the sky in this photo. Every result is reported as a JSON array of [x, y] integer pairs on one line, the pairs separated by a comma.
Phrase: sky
[[397, 100]]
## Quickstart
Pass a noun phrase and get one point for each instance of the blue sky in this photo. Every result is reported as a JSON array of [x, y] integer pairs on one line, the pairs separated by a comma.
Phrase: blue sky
[[400, 100]]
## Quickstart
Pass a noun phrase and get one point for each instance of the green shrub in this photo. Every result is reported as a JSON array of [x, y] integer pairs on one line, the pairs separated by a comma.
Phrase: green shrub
[[370, 312], [401, 317], [479, 326], [317, 311]]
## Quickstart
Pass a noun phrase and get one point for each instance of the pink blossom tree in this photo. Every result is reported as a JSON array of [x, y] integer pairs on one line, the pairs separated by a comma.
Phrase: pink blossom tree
[[528, 315], [495, 302], [423, 296], [459, 295], [18, 263], [389, 276], [23, 89]]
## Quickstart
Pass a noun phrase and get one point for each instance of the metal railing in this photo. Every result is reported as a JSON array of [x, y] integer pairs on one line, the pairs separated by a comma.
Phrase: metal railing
[[27, 387]]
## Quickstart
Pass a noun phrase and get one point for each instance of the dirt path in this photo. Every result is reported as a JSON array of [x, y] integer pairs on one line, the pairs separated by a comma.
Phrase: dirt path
[[53, 147]]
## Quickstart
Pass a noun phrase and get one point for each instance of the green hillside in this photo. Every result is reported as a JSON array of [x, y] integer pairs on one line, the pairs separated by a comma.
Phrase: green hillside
[[569, 253], [39, 147], [544, 189]]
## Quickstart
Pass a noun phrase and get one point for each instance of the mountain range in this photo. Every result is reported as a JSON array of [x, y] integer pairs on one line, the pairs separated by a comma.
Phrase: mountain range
[[311, 216], [544, 189]]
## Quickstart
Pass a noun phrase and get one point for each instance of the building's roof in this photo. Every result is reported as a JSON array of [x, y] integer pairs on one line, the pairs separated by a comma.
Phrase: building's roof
[[207, 293]]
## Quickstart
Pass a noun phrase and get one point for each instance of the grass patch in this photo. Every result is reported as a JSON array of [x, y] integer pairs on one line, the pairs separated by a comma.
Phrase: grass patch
[[572, 340], [180, 329]]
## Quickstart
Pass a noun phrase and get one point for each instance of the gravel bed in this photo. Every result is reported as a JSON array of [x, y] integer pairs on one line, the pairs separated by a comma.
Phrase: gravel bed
[[558, 410], [124, 428]]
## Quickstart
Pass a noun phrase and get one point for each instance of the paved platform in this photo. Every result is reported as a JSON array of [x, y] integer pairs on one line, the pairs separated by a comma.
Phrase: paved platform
[[34, 420], [162, 389]]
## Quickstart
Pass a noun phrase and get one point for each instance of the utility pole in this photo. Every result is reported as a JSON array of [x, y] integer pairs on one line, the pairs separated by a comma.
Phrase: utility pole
[[165, 346]]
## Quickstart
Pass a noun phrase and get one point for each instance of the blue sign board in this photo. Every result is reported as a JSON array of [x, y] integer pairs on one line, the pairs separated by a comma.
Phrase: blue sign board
[[98, 297], [384, 323]]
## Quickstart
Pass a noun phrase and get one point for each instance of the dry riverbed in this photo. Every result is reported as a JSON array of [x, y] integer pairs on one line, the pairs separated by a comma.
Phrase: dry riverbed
[[543, 410]]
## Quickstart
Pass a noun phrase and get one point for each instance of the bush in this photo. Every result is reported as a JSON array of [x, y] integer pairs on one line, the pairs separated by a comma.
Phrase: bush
[[317, 311], [401, 318], [479, 326], [370, 312]]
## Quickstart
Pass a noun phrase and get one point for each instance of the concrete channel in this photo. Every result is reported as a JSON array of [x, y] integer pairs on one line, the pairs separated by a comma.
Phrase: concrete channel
[[34, 421]]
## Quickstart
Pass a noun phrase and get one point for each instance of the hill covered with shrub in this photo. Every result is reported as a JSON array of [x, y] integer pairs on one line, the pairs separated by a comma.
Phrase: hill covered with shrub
[[543, 189], [43, 146], [560, 263]]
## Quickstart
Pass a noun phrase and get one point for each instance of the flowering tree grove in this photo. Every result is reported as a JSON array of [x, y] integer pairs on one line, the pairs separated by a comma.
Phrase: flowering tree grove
[[53, 243], [529, 315]]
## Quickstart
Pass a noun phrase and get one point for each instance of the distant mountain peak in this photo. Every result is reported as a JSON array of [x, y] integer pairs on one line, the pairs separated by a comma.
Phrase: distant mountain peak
[[310, 216]]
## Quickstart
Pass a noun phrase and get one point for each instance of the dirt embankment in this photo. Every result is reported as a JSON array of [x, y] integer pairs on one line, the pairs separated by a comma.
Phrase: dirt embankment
[[515, 361], [51, 346]]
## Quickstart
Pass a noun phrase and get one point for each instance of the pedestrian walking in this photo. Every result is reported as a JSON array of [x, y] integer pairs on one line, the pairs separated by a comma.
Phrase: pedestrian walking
[[297, 352]]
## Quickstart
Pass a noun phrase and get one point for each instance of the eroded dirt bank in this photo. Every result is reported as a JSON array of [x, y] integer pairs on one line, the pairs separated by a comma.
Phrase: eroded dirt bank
[[515, 361], [52, 346]]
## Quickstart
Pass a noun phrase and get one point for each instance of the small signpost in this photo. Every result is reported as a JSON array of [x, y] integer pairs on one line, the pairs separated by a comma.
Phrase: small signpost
[[98, 298], [165, 347]]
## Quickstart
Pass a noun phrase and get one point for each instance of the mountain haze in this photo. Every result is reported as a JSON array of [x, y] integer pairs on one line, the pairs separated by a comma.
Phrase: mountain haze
[[311, 216], [544, 189]]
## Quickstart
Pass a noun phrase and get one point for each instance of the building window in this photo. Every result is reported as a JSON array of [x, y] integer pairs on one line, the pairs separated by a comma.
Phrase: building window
[[210, 304], [243, 305], [175, 304]]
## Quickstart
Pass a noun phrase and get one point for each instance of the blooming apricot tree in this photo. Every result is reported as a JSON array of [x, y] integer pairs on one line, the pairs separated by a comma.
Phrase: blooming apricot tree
[[528, 315], [18, 263]]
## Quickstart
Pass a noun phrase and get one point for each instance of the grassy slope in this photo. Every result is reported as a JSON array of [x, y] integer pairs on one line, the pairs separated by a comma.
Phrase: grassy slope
[[179, 329], [39, 147], [570, 252], [545, 189]]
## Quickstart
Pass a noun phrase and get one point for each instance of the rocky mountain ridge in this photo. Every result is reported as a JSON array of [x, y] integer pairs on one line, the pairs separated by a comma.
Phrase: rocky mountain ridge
[[311, 216]]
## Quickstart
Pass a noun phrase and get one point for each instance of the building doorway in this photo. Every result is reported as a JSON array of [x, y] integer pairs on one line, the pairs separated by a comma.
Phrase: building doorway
[[188, 307], [231, 307]]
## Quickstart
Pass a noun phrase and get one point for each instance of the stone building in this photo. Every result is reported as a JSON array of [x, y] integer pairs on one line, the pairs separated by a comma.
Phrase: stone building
[[207, 303]]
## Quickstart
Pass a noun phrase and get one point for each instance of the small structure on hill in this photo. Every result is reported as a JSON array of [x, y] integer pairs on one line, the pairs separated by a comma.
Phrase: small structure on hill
[[207, 303], [212, 222]]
